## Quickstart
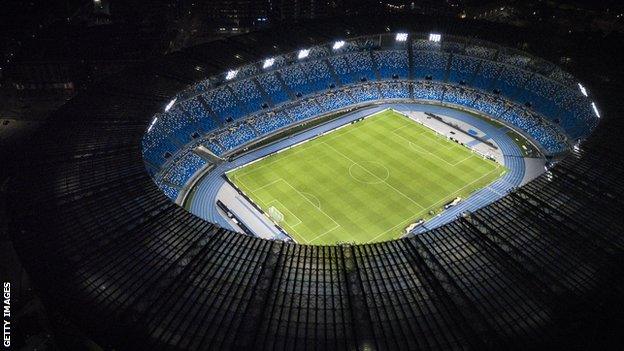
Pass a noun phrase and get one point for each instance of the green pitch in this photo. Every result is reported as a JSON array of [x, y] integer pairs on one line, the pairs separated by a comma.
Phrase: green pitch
[[365, 182]]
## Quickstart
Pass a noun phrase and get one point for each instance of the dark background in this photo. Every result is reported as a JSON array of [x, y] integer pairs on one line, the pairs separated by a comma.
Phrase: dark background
[[51, 50]]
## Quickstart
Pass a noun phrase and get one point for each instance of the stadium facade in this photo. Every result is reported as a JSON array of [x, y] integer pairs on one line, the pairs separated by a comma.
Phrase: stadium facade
[[540, 267]]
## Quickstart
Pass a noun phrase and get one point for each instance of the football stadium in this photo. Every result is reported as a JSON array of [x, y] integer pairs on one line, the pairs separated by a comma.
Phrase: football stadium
[[365, 140], [369, 185]]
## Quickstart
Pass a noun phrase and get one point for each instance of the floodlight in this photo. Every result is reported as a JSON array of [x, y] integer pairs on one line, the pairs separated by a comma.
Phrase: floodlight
[[595, 109], [268, 62], [401, 37], [152, 124], [170, 104], [303, 53], [434, 37], [231, 74], [583, 90], [338, 44]]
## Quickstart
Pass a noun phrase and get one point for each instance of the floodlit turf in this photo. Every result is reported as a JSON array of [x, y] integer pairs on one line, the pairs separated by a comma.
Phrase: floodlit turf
[[365, 182]]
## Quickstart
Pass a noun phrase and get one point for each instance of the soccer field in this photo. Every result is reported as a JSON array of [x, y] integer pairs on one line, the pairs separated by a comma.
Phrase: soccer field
[[365, 182]]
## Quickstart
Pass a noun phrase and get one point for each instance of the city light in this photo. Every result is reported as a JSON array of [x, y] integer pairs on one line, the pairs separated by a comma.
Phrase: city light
[[401, 37], [435, 37], [268, 62], [583, 90], [303, 53], [337, 45], [170, 104], [595, 109], [231, 74]]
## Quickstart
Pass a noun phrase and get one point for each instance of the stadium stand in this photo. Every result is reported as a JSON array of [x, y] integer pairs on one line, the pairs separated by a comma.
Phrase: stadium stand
[[392, 64], [273, 87]]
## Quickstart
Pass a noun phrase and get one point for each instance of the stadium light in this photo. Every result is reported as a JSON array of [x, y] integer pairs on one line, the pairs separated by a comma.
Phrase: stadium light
[[303, 53], [231, 74], [170, 104], [434, 37], [268, 62], [152, 124], [338, 44], [583, 90], [401, 37], [595, 109]]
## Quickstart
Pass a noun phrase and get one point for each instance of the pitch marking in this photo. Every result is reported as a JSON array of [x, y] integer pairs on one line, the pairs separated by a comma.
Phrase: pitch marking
[[315, 198], [388, 184], [285, 208], [379, 180]]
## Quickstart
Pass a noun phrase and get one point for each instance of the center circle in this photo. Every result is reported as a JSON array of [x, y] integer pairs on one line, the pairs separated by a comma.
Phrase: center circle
[[369, 172]]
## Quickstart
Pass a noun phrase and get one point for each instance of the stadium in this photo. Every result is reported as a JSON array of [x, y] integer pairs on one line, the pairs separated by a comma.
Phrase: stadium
[[390, 185], [529, 107]]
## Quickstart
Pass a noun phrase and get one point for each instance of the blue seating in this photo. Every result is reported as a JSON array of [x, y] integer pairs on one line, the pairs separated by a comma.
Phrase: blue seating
[[213, 146], [361, 65], [427, 91], [462, 68], [342, 69], [319, 78], [510, 80], [480, 52], [364, 93], [296, 79], [514, 59], [459, 96], [533, 96], [430, 63], [197, 113], [236, 136], [224, 104], [248, 94], [273, 88], [184, 168], [490, 105], [394, 90], [304, 110], [307, 78], [540, 92], [424, 45], [269, 122], [170, 191], [392, 62], [488, 71], [334, 100]]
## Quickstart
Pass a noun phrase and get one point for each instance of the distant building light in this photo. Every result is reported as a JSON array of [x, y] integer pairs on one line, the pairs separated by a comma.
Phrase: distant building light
[[268, 62], [338, 44], [152, 124], [582, 88], [401, 37], [303, 53], [595, 109], [434, 37], [231, 74], [170, 104]]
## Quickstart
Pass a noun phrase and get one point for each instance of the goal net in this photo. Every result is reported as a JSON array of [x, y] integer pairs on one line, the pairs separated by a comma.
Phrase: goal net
[[275, 214]]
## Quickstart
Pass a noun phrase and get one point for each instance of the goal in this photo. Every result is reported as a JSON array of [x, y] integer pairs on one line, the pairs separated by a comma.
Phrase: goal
[[275, 214]]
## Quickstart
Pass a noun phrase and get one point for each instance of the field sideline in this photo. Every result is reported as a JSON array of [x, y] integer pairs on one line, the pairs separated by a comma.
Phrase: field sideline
[[365, 182]]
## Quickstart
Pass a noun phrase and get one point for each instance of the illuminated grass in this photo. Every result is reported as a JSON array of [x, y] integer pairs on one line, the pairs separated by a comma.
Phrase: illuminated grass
[[365, 182]]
